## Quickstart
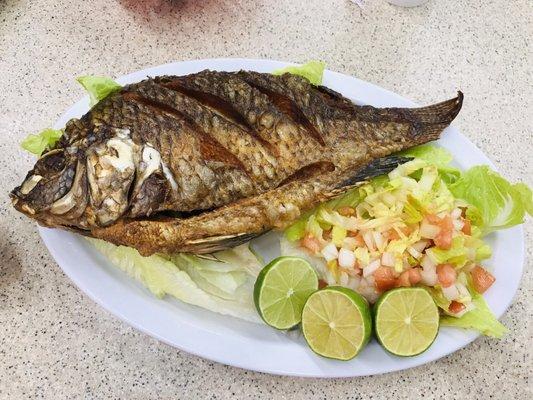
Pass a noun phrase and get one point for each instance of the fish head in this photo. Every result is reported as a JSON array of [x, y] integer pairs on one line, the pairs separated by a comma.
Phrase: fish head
[[80, 186], [44, 193]]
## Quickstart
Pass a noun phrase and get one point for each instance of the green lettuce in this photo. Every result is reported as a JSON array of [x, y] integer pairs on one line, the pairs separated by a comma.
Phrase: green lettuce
[[499, 203], [225, 274], [438, 297], [431, 154], [36, 144], [163, 277], [436, 156], [98, 87], [480, 319], [312, 71], [457, 254]]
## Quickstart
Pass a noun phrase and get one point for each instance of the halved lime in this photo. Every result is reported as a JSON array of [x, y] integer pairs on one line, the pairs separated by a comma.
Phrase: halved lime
[[281, 290], [406, 321], [336, 322]]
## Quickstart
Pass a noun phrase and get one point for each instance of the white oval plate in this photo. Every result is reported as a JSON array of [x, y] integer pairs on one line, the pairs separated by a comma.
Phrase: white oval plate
[[253, 346]]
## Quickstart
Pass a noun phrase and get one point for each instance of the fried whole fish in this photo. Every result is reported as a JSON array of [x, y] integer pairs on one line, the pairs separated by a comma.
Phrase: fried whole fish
[[206, 161]]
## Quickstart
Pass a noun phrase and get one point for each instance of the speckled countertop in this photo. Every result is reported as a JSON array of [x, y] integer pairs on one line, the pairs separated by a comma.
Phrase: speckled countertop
[[56, 343]]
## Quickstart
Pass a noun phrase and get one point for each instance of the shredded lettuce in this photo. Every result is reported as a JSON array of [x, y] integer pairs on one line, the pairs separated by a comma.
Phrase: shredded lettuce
[[37, 144], [312, 71], [500, 204], [164, 277], [438, 297], [98, 87], [480, 319]]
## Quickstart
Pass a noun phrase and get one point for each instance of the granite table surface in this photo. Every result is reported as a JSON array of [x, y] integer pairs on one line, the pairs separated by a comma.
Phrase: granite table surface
[[56, 343]]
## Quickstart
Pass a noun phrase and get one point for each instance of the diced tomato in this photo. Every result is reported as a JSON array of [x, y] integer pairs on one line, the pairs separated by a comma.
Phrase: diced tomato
[[446, 274], [481, 279], [433, 219], [326, 235], [456, 307], [403, 280], [346, 211], [384, 278], [311, 243], [322, 284], [414, 276], [359, 241], [443, 239], [467, 227]]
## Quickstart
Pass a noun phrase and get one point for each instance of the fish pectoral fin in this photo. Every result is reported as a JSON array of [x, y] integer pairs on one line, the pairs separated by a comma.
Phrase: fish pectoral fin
[[213, 244], [378, 167]]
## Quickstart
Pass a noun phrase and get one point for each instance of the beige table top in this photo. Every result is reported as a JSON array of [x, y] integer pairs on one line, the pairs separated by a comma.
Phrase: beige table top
[[56, 343]]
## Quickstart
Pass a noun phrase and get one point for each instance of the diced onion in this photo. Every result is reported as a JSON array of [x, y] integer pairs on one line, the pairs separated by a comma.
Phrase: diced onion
[[330, 252], [428, 231], [354, 282], [456, 213], [387, 259], [343, 279], [451, 292], [458, 224], [371, 268], [346, 258], [420, 245], [429, 272], [369, 240], [378, 239], [414, 252], [429, 277], [349, 243]]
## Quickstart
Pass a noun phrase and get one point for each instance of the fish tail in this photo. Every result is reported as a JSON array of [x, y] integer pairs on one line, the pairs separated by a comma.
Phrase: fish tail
[[397, 129], [431, 120], [427, 123]]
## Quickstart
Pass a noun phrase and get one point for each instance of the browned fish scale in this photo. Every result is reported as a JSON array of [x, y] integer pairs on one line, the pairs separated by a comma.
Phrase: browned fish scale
[[206, 161]]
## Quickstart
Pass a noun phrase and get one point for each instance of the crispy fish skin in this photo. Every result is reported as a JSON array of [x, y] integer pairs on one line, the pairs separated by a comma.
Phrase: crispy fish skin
[[205, 161]]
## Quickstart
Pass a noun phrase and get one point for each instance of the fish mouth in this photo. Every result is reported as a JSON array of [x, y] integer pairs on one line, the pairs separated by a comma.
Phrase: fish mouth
[[53, 192]]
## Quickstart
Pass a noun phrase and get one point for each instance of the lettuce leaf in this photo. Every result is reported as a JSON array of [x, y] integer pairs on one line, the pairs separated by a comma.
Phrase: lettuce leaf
[[312, 71], [98, 87], [163, 277], [499, 203], [229, 274], [431, 154], [436, 156], [480, 319], [36, 144]]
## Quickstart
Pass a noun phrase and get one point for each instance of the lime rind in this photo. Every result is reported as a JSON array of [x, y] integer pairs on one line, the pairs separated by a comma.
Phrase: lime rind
[[406, 321], [281, 290], [336, 323]]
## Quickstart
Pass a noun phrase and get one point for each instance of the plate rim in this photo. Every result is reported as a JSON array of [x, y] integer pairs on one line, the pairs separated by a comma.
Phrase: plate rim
[[269, 64]]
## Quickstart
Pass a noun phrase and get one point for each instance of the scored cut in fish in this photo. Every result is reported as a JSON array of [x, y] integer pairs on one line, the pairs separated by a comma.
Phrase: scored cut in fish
[[202, 162]]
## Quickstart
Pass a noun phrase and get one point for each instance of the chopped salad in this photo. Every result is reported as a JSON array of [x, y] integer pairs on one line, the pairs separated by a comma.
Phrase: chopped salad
[[417, 226]]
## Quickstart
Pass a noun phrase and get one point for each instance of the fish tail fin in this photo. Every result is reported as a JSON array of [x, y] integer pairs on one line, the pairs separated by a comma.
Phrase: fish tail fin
[[401, 128], [429, 121]]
